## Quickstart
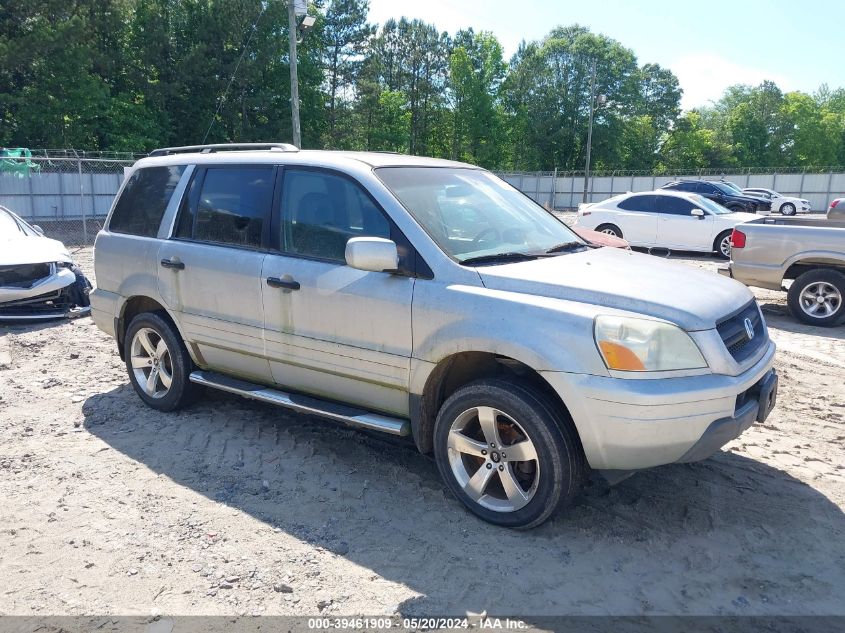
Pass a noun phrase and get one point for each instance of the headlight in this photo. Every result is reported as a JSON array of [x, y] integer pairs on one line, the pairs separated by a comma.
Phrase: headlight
[[628, 344]]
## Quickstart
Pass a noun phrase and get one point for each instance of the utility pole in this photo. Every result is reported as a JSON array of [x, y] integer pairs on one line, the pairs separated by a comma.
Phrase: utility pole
[[293, 32], [590, 129]]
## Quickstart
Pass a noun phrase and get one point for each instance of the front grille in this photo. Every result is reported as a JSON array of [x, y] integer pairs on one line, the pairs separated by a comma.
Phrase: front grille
[[23, 275], [57, 302], [735, 335]]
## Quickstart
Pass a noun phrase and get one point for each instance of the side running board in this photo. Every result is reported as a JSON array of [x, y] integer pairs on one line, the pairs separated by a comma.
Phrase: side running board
[[303, 404]]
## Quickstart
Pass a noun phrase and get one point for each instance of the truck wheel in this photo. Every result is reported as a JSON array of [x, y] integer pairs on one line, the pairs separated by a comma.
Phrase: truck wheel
[[157, 362], [788, 209], [507, 453], [816, 297], [610, 229], [722, 245]]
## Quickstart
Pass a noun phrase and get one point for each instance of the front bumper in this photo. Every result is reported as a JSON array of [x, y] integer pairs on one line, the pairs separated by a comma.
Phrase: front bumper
[[755, 405], [48, 298], [629, 424]]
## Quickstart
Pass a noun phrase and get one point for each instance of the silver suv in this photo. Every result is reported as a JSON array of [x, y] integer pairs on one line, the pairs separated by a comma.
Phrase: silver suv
[[426, 298]]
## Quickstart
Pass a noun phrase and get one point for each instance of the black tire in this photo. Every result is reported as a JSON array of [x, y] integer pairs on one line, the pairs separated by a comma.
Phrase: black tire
[[717, 245], [788, 209], [610, 229], [738, 208], [181, 390], [820, 278], [554, 479]]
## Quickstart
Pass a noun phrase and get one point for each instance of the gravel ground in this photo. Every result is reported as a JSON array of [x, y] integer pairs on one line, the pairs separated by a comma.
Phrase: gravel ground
[[234, 507]]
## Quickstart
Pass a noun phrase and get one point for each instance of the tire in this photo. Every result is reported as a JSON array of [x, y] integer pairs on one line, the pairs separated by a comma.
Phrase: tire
[[610, 229], [719, 245], [829, 284], [170, 363], [738, 208], [537, 487], [788, 209]]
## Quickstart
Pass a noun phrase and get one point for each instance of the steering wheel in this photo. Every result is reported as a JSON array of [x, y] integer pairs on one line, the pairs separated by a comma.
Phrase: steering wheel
[[494, 232]]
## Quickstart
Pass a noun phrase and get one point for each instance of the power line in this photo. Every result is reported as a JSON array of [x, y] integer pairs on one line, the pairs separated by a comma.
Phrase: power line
[[235, 72]]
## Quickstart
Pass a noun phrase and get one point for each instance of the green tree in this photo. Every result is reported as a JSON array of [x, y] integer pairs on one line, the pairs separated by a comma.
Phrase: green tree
[[51, 90], [549, 96], [476, 72], [347, 35], [409, 57], [691, 145]]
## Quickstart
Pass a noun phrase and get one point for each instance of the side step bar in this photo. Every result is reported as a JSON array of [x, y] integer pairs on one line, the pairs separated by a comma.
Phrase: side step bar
[[303, 404]]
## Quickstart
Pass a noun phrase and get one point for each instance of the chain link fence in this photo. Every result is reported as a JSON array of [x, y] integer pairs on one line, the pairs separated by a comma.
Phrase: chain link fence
[[67, 196], [563, 190], [68, 193]]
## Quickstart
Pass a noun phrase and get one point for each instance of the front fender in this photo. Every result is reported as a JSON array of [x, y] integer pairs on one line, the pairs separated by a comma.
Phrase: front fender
[[543, 333]]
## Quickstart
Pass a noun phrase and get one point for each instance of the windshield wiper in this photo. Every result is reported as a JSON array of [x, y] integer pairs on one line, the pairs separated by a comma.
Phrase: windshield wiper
[[501, 257], [566, 246]]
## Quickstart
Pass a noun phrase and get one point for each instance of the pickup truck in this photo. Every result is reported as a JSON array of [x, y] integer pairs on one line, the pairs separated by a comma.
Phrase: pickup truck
[[810, 253]]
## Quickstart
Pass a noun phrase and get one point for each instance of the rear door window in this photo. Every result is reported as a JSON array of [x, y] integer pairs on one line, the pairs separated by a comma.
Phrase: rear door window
[[145, 197], [231, 206], [638, 203]]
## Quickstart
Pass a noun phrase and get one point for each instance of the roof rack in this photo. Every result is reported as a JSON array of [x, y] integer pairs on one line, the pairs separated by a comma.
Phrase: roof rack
[[223, 147]]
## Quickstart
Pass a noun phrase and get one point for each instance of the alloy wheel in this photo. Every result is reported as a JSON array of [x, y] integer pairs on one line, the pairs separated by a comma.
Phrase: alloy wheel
[[151, 362], [820, 299], [493, 459], [725, 246]]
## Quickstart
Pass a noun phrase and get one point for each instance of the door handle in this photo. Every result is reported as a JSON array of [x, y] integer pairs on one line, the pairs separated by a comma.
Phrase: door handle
[[173, 264], [275, 282]]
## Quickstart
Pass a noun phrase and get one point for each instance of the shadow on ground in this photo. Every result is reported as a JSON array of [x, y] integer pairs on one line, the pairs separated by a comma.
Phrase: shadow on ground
[[727, 536]]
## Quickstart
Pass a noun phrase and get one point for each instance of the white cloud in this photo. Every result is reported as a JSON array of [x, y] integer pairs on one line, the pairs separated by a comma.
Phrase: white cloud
[[705, 76]]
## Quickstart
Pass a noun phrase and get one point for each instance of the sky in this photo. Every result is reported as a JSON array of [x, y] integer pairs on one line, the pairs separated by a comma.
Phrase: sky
[[709, 44]]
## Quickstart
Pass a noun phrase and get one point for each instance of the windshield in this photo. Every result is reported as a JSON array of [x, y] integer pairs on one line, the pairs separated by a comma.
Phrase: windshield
[[9, 226], [727, 188], [472, 214], [711, 207]]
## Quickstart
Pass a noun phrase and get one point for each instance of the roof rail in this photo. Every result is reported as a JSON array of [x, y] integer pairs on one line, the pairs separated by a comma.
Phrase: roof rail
[[223, 147]]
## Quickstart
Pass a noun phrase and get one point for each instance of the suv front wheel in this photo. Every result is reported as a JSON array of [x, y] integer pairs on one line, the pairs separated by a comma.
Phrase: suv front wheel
[[157, 362], [507, 453]]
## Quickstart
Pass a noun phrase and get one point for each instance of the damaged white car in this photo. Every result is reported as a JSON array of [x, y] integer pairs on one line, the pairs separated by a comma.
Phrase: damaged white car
[[38, 279]]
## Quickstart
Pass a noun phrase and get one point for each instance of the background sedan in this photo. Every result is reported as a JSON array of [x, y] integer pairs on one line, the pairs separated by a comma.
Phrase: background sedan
[[665, 219], [787, 205]]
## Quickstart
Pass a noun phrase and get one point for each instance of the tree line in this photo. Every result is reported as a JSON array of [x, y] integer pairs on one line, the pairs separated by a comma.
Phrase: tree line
[[132, 75]]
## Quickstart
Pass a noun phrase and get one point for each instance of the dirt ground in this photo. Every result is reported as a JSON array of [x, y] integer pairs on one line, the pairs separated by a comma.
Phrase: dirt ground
[[234, 507]]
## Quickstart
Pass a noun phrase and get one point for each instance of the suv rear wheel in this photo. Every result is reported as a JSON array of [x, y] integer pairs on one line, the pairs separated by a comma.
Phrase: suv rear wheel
[[507, 454], [157, 362]]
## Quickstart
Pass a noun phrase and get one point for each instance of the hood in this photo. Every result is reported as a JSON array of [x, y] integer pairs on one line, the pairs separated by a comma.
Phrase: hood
[[744, 197], [692, 298], [31, 250], [756, 197], [739, 216]]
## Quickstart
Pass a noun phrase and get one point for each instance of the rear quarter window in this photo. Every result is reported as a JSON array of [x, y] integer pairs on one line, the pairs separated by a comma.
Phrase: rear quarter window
[[144, 199]]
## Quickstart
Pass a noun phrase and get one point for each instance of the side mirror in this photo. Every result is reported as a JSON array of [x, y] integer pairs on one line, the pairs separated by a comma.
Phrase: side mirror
[[38, 229], [374, 254], [699, 213]]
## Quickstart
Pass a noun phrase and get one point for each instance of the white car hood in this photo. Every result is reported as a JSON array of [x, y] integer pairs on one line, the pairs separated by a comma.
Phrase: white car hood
[[31, 250], [692, 298], [738, 216]]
